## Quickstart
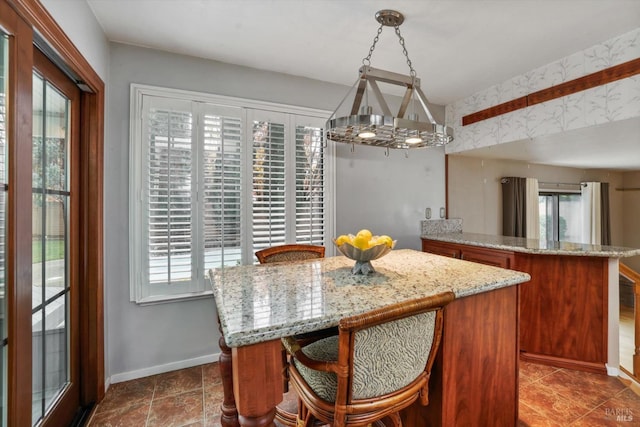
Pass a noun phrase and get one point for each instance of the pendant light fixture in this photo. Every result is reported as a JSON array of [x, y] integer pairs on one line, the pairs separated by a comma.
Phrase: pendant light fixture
[[412, 127]]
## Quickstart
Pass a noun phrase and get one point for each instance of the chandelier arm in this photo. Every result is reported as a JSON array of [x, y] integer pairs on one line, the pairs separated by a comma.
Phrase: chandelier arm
[[383, 104], [344, 98], [405, 103], [357, 101], [423, 101]]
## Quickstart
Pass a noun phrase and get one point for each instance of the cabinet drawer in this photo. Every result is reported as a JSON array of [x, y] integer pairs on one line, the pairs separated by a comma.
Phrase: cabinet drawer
[[487, 256], [438, 248]]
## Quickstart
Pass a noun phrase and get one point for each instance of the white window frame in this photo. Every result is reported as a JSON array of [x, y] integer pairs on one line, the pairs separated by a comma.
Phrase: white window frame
[[141, 291]]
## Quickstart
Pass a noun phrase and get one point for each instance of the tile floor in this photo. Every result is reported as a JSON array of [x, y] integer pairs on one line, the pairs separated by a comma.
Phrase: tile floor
[[549, 397]]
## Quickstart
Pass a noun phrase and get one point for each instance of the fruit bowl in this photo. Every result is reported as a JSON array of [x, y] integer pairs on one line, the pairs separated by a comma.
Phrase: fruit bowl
[[363, 257]]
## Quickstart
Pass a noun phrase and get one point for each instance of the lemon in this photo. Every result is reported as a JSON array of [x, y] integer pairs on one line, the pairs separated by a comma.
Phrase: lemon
[[365, 234], [386, 240], [342, 239], [361, 242]]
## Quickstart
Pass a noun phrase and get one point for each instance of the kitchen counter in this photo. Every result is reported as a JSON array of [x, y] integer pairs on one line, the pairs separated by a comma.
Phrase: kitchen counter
[[533, 246], [258, 304], [569, 310], [261, 302]]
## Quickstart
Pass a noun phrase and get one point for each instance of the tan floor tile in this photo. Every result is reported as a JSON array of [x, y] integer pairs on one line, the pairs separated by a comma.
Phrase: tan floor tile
[[211, 374], [546, 401], [127, 393], [178, 382], [127, 416], [533, 371], [177, 410], [584, 387]]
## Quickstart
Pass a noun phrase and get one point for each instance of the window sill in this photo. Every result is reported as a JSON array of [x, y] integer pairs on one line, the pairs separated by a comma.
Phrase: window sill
[[165, 299]]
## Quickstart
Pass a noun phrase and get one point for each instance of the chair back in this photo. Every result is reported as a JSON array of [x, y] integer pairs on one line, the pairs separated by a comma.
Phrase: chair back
[[288, 253], [390, 348], [379, 363]]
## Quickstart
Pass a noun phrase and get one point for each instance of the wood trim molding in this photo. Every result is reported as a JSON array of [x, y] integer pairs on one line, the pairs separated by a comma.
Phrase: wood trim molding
[[19, 200], [40, 19], [92, 193], [630, 273], [599, 78]]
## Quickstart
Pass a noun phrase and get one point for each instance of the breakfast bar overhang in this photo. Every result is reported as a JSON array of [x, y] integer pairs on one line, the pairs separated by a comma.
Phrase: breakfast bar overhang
[[474, 379]]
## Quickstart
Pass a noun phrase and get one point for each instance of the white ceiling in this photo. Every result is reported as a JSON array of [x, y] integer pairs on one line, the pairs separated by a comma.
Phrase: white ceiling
[[457, 47]]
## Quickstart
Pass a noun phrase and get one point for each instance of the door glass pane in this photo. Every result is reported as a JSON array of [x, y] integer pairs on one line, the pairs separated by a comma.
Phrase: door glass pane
[[4, 74], [50, 242], [545, 209], [569, 218]]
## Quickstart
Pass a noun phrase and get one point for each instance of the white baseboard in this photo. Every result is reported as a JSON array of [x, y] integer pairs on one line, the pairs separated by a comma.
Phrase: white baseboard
[[161, 369], [612, 371]]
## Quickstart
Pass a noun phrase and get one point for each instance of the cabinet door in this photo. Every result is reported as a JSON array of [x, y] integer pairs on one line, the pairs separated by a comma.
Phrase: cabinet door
[[487, 256], [440, 248]]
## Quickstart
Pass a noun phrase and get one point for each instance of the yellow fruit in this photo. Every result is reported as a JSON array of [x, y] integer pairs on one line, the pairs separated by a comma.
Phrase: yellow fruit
[[386, 240], [374, 241], [361, 242], [364, 233], [342, 239]]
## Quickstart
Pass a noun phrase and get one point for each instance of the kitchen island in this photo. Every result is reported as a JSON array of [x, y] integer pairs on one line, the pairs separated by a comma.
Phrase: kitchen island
[[569, 311], [474, 380]]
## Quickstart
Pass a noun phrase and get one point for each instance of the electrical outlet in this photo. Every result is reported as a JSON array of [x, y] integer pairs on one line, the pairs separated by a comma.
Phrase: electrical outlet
[[427, 213]]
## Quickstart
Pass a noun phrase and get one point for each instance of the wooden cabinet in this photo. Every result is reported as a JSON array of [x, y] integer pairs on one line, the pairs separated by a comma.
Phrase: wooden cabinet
[[441, 248], [563, 309], [497, 258]]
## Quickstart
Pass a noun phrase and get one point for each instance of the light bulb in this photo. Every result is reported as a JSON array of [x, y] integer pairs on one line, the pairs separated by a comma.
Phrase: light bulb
[[367, 134]]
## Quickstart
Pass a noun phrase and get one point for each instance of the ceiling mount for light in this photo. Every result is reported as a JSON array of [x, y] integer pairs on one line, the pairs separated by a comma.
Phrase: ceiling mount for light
[[412, 127]]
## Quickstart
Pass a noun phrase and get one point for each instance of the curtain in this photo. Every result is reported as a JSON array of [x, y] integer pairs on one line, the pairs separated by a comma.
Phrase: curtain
[[596, 224], [520, 214], [514, 218], [532, 209], [605, 221]]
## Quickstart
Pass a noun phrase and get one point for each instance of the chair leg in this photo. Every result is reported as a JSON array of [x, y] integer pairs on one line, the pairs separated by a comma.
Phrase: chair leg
[[305, 417], [285, 371], [392, 420]]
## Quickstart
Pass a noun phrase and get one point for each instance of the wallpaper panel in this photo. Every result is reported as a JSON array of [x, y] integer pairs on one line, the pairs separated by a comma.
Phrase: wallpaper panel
[[618, 100]]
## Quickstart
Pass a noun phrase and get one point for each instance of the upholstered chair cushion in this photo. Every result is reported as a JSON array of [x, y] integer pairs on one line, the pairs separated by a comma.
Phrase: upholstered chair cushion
[[325, 384], [389, 356], [386, 357], [292, 256]]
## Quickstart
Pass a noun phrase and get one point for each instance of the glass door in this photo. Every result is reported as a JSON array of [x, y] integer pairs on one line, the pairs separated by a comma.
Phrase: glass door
[[4, 62], [55, 392]]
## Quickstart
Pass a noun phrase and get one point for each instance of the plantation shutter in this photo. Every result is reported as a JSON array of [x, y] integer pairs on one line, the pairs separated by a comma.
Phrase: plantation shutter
[[168, 193], [310, 207], [214, 179], [222, 187], [269, 133]]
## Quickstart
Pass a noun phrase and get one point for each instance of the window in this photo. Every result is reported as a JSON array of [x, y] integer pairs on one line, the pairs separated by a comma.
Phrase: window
[[214, 179], [560, 216]]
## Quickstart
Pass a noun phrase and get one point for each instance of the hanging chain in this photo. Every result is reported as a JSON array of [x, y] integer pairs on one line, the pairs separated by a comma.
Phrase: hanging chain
[[412, 72], [367, 61]]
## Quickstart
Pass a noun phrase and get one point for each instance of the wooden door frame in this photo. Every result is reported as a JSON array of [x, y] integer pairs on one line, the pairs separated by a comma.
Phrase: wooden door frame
[[91, 277], [18, 254]]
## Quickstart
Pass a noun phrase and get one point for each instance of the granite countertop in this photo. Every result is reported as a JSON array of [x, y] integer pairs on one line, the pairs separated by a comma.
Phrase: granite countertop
[[534, 246], [263, 302]]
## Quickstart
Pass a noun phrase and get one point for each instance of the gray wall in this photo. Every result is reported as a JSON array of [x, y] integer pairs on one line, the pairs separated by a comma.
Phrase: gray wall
[[81, 26], [386, 194]]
